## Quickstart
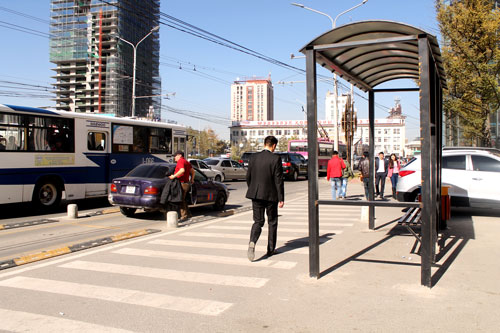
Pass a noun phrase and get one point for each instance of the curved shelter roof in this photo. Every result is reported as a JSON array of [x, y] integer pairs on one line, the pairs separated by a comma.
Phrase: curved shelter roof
[[369, 53]]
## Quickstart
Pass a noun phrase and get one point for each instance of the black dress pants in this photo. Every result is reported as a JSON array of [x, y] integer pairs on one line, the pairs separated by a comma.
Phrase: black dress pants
[[380, 179], [261, 207]]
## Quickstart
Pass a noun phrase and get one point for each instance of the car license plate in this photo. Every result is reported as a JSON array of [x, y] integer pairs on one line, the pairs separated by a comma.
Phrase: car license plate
[[130, 190]]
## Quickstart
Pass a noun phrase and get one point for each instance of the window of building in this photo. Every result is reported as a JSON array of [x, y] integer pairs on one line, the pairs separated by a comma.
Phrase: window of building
[[278, 132], [261, 132], [397, 131]]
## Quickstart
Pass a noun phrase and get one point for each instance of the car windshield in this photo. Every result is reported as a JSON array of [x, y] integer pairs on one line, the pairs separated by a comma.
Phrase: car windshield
[[212, 162], [149, 171]]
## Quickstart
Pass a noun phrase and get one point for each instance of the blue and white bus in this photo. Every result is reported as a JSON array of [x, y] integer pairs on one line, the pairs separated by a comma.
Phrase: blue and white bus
[[47, 155]]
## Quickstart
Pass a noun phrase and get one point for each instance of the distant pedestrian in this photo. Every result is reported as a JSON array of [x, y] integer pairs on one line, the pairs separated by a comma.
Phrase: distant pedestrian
[[364, 167], [394, 166], [267, 192], [185, 173], [381, 169], [346, 173], [334, 174]]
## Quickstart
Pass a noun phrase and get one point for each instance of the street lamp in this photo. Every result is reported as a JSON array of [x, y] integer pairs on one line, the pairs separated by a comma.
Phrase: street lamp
[[334, 22], [135, 60]]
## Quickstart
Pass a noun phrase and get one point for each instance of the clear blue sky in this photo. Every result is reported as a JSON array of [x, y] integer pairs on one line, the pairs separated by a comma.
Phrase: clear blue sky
[[272, 27]]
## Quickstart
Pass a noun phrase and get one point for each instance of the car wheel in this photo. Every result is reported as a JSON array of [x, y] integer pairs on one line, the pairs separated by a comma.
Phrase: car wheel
[[127, 211], [218, 178], [220, 201], [47, 194], [295, 175]]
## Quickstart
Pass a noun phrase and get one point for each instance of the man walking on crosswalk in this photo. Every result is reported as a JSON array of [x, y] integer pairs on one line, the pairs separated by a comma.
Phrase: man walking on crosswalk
[[266, 189]]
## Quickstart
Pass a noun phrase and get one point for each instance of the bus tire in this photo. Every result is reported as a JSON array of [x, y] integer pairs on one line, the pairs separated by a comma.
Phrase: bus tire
[[47, 193], [127, 211]]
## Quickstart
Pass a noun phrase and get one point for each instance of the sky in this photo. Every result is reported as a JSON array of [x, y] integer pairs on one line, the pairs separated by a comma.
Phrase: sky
[[200, 72]]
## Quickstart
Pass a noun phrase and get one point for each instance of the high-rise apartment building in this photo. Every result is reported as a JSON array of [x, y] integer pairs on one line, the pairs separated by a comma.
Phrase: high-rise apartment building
[[94, 68], [330, 105], [252, 99]]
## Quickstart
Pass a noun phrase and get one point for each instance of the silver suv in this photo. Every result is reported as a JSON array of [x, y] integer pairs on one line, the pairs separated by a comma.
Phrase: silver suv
[[473, 174]]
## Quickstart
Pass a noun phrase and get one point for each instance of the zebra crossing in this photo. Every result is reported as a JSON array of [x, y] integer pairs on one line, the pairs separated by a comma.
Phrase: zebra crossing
[[209, 254]]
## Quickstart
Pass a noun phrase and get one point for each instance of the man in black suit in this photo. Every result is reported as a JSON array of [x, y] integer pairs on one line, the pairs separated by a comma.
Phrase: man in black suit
[[266, 189]]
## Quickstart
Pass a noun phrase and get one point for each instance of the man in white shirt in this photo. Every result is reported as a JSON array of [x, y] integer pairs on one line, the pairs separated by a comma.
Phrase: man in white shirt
[[381, 169]]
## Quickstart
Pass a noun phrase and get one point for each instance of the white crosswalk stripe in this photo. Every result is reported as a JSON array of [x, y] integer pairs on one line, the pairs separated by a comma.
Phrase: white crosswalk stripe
[[224, 246], [17, 321], [167, 274], [206, 258], [287, 222], [281, 229], [119, 295], [238, 236]]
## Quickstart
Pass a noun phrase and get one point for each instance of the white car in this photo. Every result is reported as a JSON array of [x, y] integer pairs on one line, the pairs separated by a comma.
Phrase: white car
[[208, 171], [472, 173], [229, 168]]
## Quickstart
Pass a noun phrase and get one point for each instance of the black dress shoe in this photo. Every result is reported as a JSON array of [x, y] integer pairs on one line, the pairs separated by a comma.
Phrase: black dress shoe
[[271, 253]]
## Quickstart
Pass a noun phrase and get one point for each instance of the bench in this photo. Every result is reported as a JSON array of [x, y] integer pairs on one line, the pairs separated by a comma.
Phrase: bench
[[411, 219]]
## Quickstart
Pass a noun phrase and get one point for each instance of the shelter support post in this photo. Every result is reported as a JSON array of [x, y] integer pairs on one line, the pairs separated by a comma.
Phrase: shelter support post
[[312, 143], [428, 188], [371, 133]]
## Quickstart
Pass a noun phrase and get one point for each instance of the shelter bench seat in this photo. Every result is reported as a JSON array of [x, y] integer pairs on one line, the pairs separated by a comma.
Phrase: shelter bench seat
[[410, 219]]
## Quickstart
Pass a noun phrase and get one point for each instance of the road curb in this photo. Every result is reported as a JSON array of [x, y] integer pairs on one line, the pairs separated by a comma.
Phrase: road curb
[[73, 248]]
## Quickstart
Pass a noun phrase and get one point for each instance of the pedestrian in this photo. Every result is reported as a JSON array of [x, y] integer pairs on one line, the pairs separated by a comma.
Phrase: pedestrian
[[394, 166], [185, 173], [364, 167], [334, 174], [267, 192], [346, 173], [381, 169]]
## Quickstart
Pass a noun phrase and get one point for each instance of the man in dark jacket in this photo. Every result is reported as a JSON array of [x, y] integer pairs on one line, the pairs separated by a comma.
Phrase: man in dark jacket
[[266, 189], [364, 167]]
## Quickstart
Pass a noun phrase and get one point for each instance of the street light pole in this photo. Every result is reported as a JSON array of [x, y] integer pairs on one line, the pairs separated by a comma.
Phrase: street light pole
[[134, 47], [334, 22]]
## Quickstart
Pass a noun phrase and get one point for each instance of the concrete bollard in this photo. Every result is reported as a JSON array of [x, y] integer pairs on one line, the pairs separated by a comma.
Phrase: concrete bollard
[[364, 214], [72, 211], [172, 219]]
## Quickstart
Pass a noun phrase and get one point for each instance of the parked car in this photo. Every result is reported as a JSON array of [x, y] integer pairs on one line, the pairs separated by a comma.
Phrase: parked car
[[245, 158], [207, 170], [142, 187], [229, 168], [294, 165], [472, 173]]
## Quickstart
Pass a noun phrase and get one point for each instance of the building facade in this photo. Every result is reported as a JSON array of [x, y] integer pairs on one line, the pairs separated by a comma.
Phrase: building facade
[[389, 133], [94, 68], [252, 100]]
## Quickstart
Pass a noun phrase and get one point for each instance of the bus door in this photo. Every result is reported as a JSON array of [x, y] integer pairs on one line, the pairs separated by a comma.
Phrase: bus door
[[98, 149]]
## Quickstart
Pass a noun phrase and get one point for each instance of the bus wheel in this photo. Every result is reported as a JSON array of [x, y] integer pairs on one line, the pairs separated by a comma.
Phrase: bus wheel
[[47, 194], [127, 211]]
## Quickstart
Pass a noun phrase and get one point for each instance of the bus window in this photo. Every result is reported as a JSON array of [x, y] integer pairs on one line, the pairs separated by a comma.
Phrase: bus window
[[96, 141], [140, 139], [50, 134], [160, 140]]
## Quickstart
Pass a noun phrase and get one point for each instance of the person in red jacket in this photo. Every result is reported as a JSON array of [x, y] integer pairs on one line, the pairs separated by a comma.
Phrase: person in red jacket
[[334, 174]]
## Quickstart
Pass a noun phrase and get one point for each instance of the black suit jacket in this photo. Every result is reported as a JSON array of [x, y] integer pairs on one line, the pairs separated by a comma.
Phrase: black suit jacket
[[386, 165], [265, 177]]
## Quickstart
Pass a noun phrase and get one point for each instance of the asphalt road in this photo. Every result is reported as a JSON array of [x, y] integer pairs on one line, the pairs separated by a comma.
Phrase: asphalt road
[[97, 220]]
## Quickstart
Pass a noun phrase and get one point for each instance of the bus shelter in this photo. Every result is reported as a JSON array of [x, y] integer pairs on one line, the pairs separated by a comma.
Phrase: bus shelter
[[368, 54]]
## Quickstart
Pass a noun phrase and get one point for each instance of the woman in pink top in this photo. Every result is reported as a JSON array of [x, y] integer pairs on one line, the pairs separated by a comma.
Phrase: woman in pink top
[[393, 173]]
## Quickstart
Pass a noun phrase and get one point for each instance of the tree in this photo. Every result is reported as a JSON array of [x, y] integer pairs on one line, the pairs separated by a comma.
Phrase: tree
[[204, 143], [283, 143], [471, 57]]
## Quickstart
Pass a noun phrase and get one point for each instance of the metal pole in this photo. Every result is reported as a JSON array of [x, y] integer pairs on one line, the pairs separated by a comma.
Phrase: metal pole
[[336, 113], [133, 80], [371, 122], [426, 191], [312, 148]]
